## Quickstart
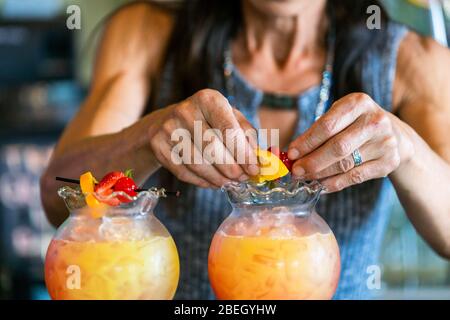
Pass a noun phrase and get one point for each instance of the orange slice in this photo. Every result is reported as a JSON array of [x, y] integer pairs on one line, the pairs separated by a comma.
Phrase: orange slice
[[87, 184], [271, 167]]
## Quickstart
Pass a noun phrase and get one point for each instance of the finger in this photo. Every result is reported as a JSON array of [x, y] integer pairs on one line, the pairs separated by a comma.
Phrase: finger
[[337, 148], [249, 131], [219, 114], [180, 171], [205, 170], [371, 170], [210, 149], [200, 163], [342, 114], [228, 168], [369, 152]]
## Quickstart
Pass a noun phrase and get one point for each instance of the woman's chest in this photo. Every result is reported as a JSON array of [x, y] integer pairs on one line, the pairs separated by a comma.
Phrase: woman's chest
[[294, 85]]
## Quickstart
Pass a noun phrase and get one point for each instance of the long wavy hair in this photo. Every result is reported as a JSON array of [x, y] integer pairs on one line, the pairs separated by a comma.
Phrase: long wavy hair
[[203, 27]]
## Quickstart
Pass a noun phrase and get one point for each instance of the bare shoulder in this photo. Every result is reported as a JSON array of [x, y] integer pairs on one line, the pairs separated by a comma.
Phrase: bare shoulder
[[423, 71], [135, 39]]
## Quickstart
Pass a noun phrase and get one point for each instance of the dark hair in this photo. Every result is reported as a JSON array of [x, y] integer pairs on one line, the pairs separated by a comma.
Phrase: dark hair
[[203, 27]]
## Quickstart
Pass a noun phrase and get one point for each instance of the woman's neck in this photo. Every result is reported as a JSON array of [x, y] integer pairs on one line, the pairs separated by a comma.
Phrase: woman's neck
[[282, 40]]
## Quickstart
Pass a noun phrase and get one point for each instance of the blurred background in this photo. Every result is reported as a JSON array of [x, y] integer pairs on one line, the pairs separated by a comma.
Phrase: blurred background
[[44, 74]]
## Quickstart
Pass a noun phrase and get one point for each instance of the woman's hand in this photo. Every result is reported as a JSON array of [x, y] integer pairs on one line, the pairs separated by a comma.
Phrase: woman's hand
[[324, 151], [211, 110]]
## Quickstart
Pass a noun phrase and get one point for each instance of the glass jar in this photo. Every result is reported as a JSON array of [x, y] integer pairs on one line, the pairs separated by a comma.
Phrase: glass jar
[[274, 245], [119, 253]]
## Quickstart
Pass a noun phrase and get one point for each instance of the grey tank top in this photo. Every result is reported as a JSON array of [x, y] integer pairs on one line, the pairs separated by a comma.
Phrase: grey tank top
[[357, 215]]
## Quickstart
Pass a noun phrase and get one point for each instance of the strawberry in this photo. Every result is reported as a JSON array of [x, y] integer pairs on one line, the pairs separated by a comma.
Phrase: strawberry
[[108, 182], [111, 201], [113, 182], [105, 187], [127, 185]]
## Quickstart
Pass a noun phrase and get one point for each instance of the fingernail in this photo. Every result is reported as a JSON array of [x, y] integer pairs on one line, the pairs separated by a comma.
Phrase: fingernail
[[243, 178], [293, 154], [253, 169], [298, 171]]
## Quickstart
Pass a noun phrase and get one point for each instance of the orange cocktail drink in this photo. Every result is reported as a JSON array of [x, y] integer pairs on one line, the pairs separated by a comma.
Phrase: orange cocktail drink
[[118, 270], [111, 252], [269, 268], [273, 248]]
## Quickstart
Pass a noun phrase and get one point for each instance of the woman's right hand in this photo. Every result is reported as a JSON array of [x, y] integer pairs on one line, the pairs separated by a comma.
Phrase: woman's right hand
[[212, 110]]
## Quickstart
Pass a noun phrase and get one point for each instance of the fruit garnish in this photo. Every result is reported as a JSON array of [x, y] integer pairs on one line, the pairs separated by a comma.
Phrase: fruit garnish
[[87, 185], [271, 167], [283, 156], [87, 182], [108, 182], [287, 162], [105, 188], [127, 185], [98, 194], [129, 173], [104, 198]]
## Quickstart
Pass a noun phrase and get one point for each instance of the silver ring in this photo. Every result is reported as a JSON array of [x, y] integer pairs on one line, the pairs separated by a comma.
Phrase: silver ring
[[357, 159]]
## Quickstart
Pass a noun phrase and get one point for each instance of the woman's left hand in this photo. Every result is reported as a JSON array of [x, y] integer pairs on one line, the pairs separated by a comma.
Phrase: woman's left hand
[[355, 122]]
